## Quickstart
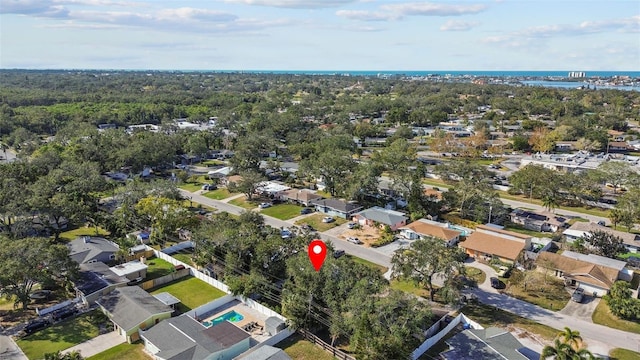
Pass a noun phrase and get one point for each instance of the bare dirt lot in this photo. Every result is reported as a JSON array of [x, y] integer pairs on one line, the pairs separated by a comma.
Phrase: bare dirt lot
[[366, 234]]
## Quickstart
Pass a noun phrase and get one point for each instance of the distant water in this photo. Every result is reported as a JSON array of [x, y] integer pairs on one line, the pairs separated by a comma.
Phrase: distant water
[[519, 74]]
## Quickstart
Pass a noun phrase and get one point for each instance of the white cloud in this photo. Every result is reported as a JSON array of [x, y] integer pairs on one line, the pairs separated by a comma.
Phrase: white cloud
[[295, 4], [454, 25], [389, 12], [526, 36]]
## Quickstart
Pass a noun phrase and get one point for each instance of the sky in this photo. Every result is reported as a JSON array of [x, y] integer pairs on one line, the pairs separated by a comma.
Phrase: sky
[[571, 35]]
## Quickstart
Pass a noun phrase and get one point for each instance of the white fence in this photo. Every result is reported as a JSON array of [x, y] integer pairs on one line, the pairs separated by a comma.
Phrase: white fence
[[208, 307], [427, 344], [260, 308], [209, 280]]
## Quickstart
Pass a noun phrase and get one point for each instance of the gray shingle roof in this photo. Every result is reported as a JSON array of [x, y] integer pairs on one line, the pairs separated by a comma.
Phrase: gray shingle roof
[[183, 338], [336, 204], [265, 352], [86, 248], [96, 276], [130, 306], [484, 344], [627, 238], [383, 216]]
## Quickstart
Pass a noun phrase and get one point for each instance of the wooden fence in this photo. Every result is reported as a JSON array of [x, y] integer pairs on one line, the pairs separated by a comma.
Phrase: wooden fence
[[337, 353], [179, 274]]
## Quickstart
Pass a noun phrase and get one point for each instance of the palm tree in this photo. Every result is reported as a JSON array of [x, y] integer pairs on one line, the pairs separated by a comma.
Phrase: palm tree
[[559, 351], [571, 337], [550, 202]]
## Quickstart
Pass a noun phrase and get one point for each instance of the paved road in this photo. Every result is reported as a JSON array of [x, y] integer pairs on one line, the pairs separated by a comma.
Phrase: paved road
[[9, 350], [600, 338]]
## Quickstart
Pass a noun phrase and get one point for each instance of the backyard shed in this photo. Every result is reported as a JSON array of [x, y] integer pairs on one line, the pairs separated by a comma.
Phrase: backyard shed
[[274, 325]]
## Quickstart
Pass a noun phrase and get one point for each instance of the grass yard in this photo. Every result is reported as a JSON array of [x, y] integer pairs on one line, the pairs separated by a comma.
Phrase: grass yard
[[83, 231], [219, 194], [488, 315], [362, 261], [184, 257], [300, 349], [190, 187], [282, 211], [60, 336], [315, 221], [7, 303], [158, 268], [244, 203], [475, 274], [521, 230], [409, 287], [191, 291], [623, 354], [123, 351], [551, 295], [603, 316]]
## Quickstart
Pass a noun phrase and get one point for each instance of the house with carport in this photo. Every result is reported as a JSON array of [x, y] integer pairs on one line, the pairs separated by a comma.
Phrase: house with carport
[[299, 196], [490, 242], [131, 308], [380, 217], [423, 228], [595, 274], [184, 338], [336, 207]]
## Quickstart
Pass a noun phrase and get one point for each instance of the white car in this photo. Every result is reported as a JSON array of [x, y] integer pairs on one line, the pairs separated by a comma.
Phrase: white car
[[354, 240], [264, 205], [328, 219], [352, 225]]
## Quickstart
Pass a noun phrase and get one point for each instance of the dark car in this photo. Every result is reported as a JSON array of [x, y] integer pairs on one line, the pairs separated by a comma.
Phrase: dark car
[[578, 295], [495, 283], [306, 211], [35, 325], [63, 314], [338, 253]]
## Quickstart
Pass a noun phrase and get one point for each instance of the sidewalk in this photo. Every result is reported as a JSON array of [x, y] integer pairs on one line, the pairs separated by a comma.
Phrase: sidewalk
[[97, 344], [9, 350]]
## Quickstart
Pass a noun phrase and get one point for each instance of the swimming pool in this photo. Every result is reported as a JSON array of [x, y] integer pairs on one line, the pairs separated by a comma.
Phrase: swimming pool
[[464, 231], [232, 316]]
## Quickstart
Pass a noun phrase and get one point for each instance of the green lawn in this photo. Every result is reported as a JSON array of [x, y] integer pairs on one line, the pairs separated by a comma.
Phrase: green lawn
[[191, 291], [212, 162], [190, 187], [60, 336], [315, 221], [475, 274], [488, 315], [82, 231], [368, 263], [244, 203], [184, 257], [283, 211], [548, 293], [7, 303], [123, 351], [628, 255], [623, 354], [603, 316], [158, 268], [300, 349], [409, 287], [219, 194], [521, 230]]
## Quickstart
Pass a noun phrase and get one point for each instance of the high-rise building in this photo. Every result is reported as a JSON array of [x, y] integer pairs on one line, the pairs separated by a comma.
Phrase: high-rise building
[[577, 74]]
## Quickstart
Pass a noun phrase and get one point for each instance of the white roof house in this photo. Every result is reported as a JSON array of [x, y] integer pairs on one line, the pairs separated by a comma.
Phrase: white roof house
[[131, 267]]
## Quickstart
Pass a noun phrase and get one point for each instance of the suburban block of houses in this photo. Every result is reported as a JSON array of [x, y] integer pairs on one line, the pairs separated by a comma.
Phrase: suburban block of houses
[[580, 229], [492, 243], [595, 274], [426, 228]]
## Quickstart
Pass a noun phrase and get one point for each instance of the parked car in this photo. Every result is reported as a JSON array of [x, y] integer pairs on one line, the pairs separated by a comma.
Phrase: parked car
[[307, 227], [264, 205], [209, 187], [63, 314], [495, 283], [338, 253], [503, 271], [354, 240], [135, 281], [578, 295], [36, 325], [328, 219], [352, 225], [306, 211]]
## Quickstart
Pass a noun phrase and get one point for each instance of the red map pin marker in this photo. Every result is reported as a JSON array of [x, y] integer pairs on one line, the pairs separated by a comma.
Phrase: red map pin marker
[[317, 253]]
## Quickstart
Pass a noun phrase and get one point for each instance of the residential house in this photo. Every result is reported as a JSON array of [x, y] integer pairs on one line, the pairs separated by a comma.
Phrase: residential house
[[580, 229], [265, 352], [424, 228], [486, 344], [377, 216], [271, 188], [618, 146], [96, 279], [595, 274], [300, 196], [131, 308], [86, 249], [131, 270], [336, 207], [537, 221], [219, 173], [184, 338], [491, 243], [565, 145]]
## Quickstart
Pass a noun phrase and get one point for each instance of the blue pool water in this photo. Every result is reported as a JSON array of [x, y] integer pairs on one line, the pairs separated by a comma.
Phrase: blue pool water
[[232, 316], [465, 232]]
